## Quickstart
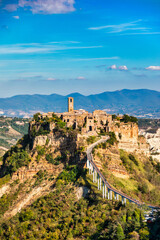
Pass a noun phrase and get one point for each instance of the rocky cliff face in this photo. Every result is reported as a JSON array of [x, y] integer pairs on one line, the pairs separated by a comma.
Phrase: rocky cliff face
[[139, 146], [129, 140]]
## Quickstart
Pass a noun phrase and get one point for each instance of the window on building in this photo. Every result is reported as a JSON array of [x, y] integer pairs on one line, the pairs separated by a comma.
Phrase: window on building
[[90, 128]]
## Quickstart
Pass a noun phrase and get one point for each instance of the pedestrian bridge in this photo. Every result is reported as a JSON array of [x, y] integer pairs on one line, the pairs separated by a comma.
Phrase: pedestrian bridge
[[103, 185]]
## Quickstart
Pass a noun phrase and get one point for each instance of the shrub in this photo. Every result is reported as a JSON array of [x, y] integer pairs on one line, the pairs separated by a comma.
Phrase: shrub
[[47, 141], [143, 187], [40, 150], [27, 215], [144, 234], [61, 124], [114, 116], [36, 117], [71, 174], [4, 180], [112, 140], [91, 139], [55, 161], [17, 159], [42, 130], [40, 174], [120, 233], [133, 159], [127, 119]]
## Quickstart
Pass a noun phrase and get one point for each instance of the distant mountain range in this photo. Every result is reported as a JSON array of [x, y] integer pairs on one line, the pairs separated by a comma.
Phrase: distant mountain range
[[141, 103]]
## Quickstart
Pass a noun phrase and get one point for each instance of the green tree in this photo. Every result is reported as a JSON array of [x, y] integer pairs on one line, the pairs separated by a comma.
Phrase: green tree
[[36, 117], [120, 233], [144, 234]]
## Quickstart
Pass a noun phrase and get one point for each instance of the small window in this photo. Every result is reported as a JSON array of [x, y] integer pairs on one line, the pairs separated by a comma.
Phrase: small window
[[67, 120], [90, 128], [71, 100]]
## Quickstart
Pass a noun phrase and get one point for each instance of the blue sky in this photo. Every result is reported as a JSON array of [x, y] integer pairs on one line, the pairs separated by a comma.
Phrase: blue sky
[[64, 46]]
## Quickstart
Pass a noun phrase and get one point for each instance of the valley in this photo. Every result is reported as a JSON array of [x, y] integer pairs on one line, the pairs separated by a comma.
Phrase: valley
[[11, 130]]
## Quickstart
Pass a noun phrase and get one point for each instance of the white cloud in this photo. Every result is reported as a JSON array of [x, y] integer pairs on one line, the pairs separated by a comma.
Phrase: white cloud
[[123, 68], [112, 67], [51, 79], [94, 59], [156, 68], [126, 28], [16, 17], [140, 33], [43, 6], [117, 27], [38, 48], [11, 7], [80, 78]]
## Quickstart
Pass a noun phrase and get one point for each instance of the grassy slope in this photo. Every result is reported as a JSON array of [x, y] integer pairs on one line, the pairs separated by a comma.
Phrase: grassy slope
[[144, 178]]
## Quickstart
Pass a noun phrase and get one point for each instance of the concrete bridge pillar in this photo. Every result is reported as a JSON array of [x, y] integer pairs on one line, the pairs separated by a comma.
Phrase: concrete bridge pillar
[[110, 195], [93, 175], [124, 200], [98, 180], [88, 163], [96, 176], [117, 197], [89, 168], [105, 191]]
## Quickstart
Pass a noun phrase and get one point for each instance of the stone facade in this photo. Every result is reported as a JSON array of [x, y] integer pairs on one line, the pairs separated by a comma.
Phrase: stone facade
[[87, 123], [90, 124]]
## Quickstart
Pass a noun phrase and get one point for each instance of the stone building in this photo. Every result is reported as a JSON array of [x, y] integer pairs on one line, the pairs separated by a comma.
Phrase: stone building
[[70, 104], [92, 123], [87, 123]]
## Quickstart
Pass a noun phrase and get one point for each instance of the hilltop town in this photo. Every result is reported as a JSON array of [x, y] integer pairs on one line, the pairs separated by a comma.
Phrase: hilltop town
[[45, 183], [91, 124]]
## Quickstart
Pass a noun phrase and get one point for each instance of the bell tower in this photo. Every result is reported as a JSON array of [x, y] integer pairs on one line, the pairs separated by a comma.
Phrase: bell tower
[[70, 104]]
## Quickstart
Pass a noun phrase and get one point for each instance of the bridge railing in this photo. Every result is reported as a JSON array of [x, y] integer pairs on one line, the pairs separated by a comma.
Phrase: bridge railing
[[90, 162]]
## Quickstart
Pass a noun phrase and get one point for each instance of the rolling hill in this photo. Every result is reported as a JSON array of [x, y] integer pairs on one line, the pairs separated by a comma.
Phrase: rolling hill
[[141, 103]]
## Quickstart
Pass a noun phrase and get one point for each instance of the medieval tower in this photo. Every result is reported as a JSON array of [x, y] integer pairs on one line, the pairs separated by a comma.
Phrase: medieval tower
[[70, 104]]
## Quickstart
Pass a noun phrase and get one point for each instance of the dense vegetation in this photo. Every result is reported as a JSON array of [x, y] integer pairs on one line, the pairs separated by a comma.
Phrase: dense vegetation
[[144, 178], [60, 215], [16, 157], [127, 119], [41, 126]]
